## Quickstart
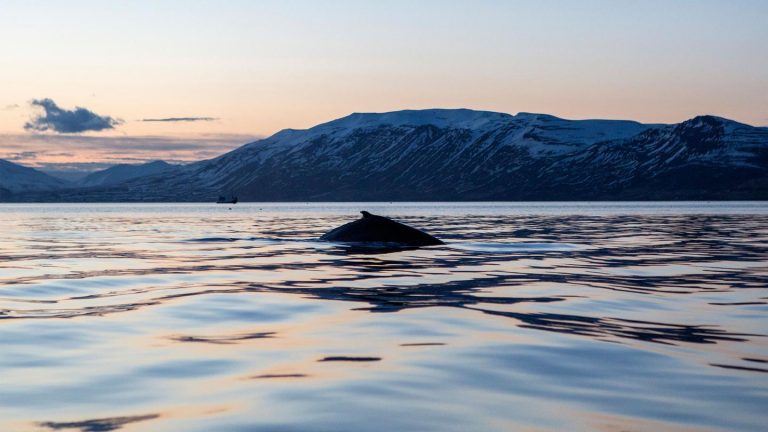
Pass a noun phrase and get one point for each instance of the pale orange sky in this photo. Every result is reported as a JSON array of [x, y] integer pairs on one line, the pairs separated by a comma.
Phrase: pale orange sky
[[258, 67]]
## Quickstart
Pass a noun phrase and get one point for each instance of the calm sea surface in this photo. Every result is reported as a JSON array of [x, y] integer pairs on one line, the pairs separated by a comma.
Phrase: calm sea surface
[[557, 316]]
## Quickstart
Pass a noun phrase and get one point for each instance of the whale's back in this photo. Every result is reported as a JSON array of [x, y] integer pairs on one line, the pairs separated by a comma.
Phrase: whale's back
[[378, 229]]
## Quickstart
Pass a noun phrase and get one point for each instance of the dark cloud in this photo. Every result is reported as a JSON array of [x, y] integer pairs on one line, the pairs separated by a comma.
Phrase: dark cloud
[[214, 143], [179, 119], [27, 155], [62, 149], [68, 121]]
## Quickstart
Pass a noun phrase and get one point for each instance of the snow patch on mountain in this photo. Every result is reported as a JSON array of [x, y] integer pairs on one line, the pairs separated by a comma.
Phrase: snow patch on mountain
[[124, 172], [19, 179], [474, 155]]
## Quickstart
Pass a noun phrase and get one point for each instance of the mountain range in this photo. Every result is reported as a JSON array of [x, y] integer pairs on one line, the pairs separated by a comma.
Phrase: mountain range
[[451, 154], [123, 172], [15, 178]]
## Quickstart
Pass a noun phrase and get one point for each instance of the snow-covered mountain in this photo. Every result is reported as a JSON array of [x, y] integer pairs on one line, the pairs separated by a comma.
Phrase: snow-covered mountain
[[123, 172], [474, 155], [427, 154], [15, 179], [706, 157]]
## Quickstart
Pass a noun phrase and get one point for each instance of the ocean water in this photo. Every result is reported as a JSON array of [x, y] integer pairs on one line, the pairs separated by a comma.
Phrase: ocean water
[[534, 316]]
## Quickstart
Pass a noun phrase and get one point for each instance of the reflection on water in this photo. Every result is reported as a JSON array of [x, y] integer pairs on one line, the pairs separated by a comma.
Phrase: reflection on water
[[625, 316]]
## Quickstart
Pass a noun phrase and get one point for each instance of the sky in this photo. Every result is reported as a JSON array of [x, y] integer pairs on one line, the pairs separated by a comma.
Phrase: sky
[[86, 84]]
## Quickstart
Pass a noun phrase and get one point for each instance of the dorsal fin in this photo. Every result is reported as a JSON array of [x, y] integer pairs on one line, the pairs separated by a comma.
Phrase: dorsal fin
[[365, 214]]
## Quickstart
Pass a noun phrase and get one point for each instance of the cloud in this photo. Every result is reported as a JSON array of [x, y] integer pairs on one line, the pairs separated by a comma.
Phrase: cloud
[[18, 156], [37, 150], [179, 119], [11, 107], [68, 121], [123, 145]]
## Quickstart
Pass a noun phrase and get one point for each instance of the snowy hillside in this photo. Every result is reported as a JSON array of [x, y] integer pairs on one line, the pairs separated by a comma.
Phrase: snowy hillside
[[396, 149], [124, 172], [20, 179], [472, 155], [700, 158]]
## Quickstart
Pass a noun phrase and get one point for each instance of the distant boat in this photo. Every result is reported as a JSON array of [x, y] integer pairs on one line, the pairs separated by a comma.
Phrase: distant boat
[[223, 200]]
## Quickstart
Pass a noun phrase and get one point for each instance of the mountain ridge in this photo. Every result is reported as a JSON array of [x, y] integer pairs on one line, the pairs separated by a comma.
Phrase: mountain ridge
[[461, 154], [123, 172], [15, 178]]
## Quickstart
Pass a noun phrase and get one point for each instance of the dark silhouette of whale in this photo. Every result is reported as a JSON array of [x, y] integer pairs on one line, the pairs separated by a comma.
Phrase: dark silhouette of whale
[[379, 229]]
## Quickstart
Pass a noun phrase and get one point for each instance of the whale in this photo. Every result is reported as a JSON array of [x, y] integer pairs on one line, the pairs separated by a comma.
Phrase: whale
[[374, 229]]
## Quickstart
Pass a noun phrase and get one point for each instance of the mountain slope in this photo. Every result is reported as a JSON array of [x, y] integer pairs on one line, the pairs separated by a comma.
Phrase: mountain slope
[[471, 155], [123, 172], [706, 157], [400, 155], [20, 179]]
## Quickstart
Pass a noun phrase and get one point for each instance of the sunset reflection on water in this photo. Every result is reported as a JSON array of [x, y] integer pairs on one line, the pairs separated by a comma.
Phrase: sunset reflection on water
[[533, 316]]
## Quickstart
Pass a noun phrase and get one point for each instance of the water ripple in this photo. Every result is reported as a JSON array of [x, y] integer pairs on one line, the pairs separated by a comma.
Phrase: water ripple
[[617, 313]]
